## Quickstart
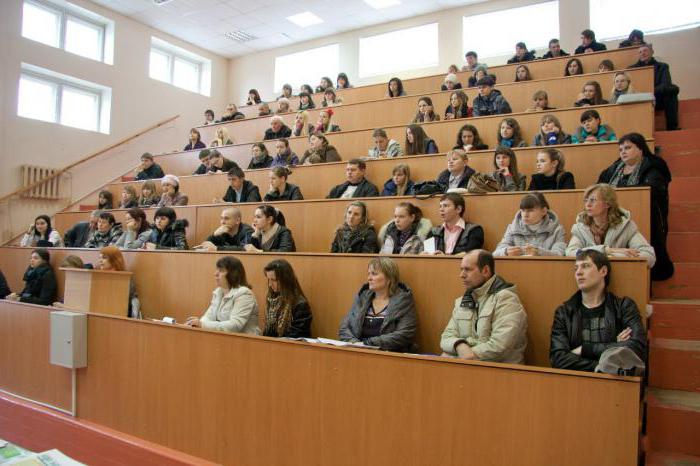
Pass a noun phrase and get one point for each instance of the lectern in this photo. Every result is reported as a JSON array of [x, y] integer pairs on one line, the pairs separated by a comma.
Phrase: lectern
[[101, 291]]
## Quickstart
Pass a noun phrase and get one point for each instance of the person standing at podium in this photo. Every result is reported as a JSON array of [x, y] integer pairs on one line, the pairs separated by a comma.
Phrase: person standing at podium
[[111, 259]]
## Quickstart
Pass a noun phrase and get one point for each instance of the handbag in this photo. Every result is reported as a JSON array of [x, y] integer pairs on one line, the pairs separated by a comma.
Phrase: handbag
[[482, 183]]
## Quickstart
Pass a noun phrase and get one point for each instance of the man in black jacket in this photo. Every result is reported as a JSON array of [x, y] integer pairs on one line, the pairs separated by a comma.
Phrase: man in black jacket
[[277, 129], [588, 43], [219, 163], [148, 170], [232, 234], [78, 234], [240, 189], [356, 185], [665, 92], [593, 319], [554, 50], [203, 168]]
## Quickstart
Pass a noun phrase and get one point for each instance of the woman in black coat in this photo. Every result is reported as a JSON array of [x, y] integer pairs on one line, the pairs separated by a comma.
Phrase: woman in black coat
[[270, 234], [167, 231], [40, 281], [355, 235], [288, 312]]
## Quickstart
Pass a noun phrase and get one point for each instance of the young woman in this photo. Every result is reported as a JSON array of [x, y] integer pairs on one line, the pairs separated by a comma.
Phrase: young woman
[[395, 88], [253, 97], [301, 123], [306, 88], [280, 190], [457, 173], [522, 73], [426, 111], [400, 183], [406, 233], [209, 118], [550, 172], [168, 232], [590, 95], [149, 197], [455, 236], [573, 67], [324, 125], [551, 133], [458, 107], [195, 141], [111, 258], [270, 234], [606, 65], [129, 198], [451, 82], [324, 84], [383, 313], [418, 143], [222, 138], [39, 281], [233, 307], [306, 102], [288, 312], [506, 171], [170, 184], [479, 72], [105, 200], [535, 230], [342, 81], [261, 158], [40, 233], [286, 92], [356, 234], [284, 156], [540, 101], [136, 230], [622, 84], [330, 99], [509, 134], [320, 151], [468, 139]]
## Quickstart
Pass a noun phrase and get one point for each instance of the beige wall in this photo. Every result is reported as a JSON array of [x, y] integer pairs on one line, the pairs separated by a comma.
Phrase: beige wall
[[257, 70], [137, 100]]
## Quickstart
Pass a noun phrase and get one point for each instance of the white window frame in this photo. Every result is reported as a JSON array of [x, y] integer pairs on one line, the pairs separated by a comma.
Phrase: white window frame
[[173, 52], [67, 10]]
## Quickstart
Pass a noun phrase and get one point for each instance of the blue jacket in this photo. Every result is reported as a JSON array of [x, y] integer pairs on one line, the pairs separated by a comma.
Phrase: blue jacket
[[390, 188]]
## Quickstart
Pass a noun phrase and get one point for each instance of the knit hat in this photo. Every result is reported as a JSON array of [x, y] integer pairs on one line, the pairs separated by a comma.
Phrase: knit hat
[[452, 77], [171, 179], [620, 360]]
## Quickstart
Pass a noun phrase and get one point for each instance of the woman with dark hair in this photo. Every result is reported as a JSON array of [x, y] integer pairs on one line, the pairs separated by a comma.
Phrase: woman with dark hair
[[129, 197], [111, 258], [324, 84], [383, 313], [590, 95], [168, 231], [320, 151], [406, 233], [468, 139], [356, 234], [280, 190], [284, 156], [253, 97], [40, 281], [418, 143], [270, 234], [288, 312], [136, 230], [506, 171], [551, 132], [330, 98], [286, 92], [105, 200], [306, 102], [573, 67], [509, 134], [550, 172], [306, 88], [400, 183], [342, 82], [458, 107], [479, 72], [261, 158], [426, 111], [639, 166], [395, 88], [171, 192], [233, 307], [195, 141], [606, 65], [40, 233], [149, 197], [522, 73]]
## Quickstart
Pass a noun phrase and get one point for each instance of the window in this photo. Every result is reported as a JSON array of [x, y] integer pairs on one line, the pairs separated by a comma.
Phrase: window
[[69, 27], [411, 48], [478, 30], [615, 20], [48, 96], [307, 67], [179, 67]]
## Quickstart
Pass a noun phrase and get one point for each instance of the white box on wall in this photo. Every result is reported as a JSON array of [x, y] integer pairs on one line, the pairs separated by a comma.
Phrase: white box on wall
[[68, 339]]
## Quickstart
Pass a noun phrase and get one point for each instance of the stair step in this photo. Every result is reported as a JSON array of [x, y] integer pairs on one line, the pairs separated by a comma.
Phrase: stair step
[[673, 421], [675, 319], [674, 364], [685, 283], [663, 458], [684, 216], [685, 189], [683, 246], [684, 162], [672, 141]]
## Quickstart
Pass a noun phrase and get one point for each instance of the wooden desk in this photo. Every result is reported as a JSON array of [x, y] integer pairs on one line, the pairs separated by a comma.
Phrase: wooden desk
[[102, 291]]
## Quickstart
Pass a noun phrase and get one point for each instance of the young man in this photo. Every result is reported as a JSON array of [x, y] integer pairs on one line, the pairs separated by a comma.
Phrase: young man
[[593, 319], [277, 129], [232, 234], [455, 236], [219, 164], [554, 50], [592, 130], [489, 101], [489, 322], [240, 189], [356, 185], [665, 92], [521, 54], [472, 61], [108, 232], [203, 162], [80, 233], [588, 43], [383, 146], [148, 170]]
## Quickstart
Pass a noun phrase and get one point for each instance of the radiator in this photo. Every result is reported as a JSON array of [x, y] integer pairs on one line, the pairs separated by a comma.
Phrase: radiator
[[47, 190]]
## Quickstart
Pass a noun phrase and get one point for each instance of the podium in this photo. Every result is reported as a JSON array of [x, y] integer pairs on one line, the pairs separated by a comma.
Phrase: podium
[[99, 291]]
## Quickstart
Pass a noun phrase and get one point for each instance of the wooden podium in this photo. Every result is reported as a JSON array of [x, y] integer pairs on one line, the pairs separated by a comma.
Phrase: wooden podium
[[100, 291]]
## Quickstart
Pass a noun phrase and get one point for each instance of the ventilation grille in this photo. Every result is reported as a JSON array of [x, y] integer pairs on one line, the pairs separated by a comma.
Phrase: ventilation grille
[[240, 36], [47, 190], [161, 2]]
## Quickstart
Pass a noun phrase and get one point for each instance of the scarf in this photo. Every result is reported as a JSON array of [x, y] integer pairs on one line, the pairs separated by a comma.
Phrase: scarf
[[278, 316], [347, 236], [267, 237], [633, 179], [599, 232]]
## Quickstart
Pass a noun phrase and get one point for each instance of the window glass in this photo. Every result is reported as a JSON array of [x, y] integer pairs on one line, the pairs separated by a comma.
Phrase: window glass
[[307, 67], [615, 20], [411, 48], [186, 74], [83, 38], [41, 24], [36, 99], [79, 108], [159, 66]]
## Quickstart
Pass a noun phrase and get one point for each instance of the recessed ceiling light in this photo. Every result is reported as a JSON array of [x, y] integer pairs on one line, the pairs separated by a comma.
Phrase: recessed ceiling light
[[305, 19], [379, 4], [240, 36]]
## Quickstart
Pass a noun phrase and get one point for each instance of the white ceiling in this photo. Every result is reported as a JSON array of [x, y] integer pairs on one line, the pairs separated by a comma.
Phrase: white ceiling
[[204, 22]]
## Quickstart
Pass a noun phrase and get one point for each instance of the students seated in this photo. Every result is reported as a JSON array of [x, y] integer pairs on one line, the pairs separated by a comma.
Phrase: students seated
[[209, 118], [170, 184], [472, 60], [277, 129], [426, 111], [319, 151], [665, 92], [588, 43], [324, 125], [535, 230], [342, 81], [283, 106], [149, 196], [540, 102], [550, 172], [451, 82], [590, 95], [107, 232], [395, 88], [148, 169], [301, 123], [489, 101], [168, 232], [239, 189], [489, 322], [40, 233], [356, 235], [521, 54], [39, 281], [635, 39], [573, 67], [4, 288], [195, 141], [605, 66], [218, 163], [78, 234], [400, 183], [136, 230], [622, 85], [592, 130], [458, 107], [551, 132], [231, 113], [264, 109], [222, 138], [288, 313], [383, 313], [639, 166], [594, 320], [455, 236], [383, 146], [506, 171], [204, 162], [468, 139], [111, 259], [280, 190], [522, 73], [480, 72], [356, 185], [287, 92], [554, 50], [306, 102], [284, 156], [270, 234], [331, 99], [306, 88], [418, 143], [406, 233], [607, 228], [324, 84], [231, 235], [509, 134], [105, 200], [261, 157], [233, 307], [253, 97], [457, 173], [129, 197]]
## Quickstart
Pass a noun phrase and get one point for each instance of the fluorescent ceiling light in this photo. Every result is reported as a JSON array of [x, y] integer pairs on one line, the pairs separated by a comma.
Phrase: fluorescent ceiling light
[[305, 19], [379, 4]]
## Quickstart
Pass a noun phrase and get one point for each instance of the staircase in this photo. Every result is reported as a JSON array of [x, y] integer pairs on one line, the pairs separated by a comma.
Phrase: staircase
[[673, 395]]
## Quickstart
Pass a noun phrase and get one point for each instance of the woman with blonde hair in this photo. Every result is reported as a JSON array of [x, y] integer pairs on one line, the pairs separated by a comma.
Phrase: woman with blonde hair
[[400, 183], [356, 234], [301, 123], [222, 138], [622, 84]]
